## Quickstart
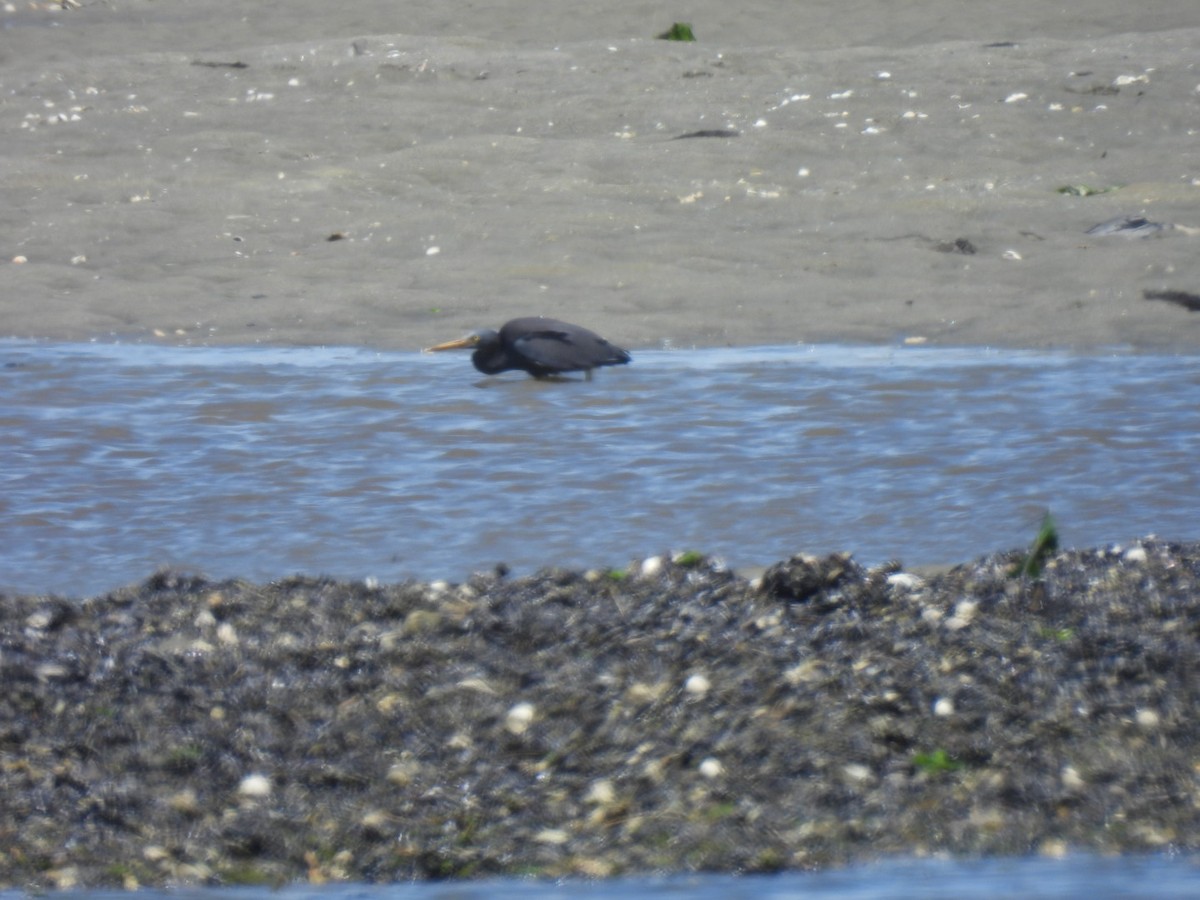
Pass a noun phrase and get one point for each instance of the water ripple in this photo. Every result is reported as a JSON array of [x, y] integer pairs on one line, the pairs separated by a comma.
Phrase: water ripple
[[261, 462]]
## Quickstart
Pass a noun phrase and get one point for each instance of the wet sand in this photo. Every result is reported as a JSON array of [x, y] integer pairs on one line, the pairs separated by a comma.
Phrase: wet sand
[[389, 176]]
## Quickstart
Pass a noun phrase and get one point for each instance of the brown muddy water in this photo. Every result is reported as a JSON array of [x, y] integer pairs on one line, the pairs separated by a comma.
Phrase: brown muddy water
[[264, 462]]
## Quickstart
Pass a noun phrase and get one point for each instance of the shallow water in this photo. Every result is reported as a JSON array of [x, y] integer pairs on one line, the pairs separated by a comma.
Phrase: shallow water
[[1159, 877], [264, 462]]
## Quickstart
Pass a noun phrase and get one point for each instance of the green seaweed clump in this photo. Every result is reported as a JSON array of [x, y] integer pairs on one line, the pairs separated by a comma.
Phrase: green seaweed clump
[[1083, 190], [680, 31], [1044, 546], [936, 763]]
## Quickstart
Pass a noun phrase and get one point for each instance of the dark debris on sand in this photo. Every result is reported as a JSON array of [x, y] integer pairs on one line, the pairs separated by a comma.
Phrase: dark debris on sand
[[675, 717]]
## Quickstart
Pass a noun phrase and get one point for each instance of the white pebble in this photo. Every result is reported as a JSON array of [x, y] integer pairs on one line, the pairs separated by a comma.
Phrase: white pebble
[[1071, 779], [519, 718], [857, 772], [602, 793], [652, 566], [1135, 555], [711, 768], [904, 581], [255, 786], [1016, 98], [1147, 719], [697, 685], [943, 707], [964, 613]]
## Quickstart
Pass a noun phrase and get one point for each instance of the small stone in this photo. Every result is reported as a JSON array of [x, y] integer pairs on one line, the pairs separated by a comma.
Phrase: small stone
[[601, 793], [593, 868], [481, 685], [519, 718], [552, 836], [185, 802], [154, 853], [943, 707], [652, 566], [49, 671], [857, 772], [640, 692], [1071, 779], [964, 612], [697, 685], [374, 820], [255, 786], [904, 581], [1147, 719], [1135, 555], [711, 768], [402, 773], [39, 620], [421, 621]]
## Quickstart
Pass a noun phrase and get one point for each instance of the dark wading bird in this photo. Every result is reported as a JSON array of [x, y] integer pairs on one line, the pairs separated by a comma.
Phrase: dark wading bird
[[542, 347]]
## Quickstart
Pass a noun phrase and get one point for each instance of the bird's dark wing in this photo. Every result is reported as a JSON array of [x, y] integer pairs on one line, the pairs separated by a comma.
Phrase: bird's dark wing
[[553, 351], [548, 346]]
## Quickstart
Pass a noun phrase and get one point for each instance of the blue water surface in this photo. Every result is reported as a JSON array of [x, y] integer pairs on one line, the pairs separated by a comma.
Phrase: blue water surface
[[265, 462], [1073, 878]]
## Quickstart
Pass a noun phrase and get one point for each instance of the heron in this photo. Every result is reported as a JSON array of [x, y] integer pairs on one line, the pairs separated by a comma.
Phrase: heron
[[540, 346]]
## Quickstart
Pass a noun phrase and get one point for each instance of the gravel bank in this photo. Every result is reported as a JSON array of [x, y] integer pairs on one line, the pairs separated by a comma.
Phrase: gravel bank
[[674, 716]]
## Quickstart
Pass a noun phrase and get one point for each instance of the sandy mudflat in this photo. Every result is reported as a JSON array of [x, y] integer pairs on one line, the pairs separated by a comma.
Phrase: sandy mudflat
[[174, 172]]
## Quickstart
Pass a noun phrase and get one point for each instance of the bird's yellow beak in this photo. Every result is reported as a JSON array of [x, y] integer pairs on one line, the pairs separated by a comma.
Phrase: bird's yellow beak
[[460, 344]]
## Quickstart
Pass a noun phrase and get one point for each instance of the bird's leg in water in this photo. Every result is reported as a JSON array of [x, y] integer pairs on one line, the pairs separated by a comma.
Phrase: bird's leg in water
[[587, 374]]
